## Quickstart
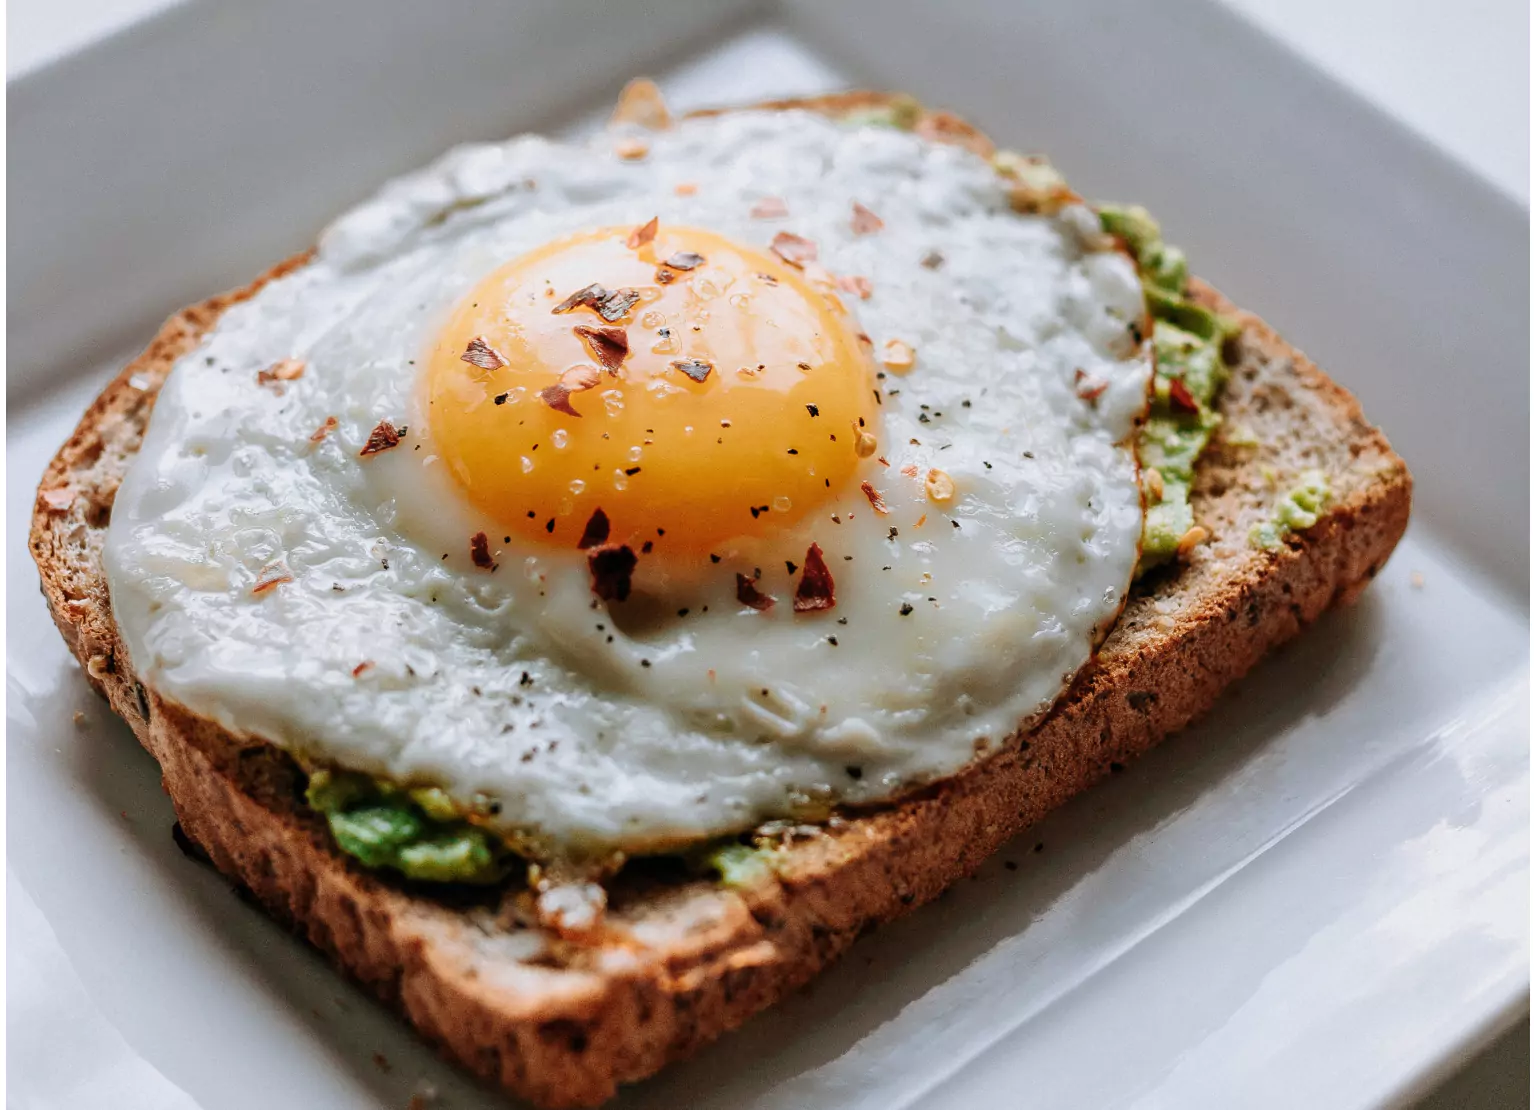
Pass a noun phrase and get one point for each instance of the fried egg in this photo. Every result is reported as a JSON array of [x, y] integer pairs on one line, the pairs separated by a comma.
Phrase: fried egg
[[638, 490]]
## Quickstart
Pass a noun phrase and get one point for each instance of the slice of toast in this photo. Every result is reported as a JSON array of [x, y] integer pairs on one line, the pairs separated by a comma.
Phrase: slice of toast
[[563, 1024]]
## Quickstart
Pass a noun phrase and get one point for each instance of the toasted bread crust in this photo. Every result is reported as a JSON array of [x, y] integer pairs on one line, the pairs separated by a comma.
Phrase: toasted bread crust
[[563, 1026]]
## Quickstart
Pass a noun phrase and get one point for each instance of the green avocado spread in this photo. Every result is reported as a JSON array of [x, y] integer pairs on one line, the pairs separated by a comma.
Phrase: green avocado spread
[[899, 112], [738, 865], [1296, 511], [1190, 370], [417, 832]]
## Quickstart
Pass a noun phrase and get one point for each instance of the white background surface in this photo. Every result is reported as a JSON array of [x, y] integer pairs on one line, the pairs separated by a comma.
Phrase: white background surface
[[1457, 71], [1456, 78]]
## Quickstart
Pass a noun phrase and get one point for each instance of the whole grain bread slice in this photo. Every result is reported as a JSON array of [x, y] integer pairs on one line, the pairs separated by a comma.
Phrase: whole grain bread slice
[[563, 1024]]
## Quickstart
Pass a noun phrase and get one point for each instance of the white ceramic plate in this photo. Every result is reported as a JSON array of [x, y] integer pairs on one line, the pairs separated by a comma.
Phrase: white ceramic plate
[[1316, 897]]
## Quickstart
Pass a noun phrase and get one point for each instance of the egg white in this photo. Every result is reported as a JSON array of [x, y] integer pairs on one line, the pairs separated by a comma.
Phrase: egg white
[[627, 726]]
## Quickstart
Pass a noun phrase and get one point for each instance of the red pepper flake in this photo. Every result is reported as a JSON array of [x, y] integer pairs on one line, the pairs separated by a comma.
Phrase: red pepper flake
[[609, 346], [589, 297], [1182, 400], [287, 370], [933, 260], [695, 368], [365, 665], [577, 379], [875, 498], [664, 276], [909, 470], [631, 149], [747, 594], [324, 429], [615, 306], [611, 305], [272, 575], [684, 260], [816, 590], [851, 283], [769, 208], [612, 571], [645, 234], [685, 188], [864, 222], [59, 500], [383, 437], [479, 551], [480, 353], [642, 105], [796, 250], [597, 530], [557, 397], [1088, 387]]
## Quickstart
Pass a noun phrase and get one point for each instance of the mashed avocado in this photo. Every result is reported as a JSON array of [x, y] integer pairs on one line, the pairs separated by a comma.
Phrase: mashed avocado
[[738, 865], [418, 832], [1189, 373], [899, 112], [1296, 511]]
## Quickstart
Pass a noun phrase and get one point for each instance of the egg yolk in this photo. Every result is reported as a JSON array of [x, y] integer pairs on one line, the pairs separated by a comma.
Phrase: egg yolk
[[693, 389]]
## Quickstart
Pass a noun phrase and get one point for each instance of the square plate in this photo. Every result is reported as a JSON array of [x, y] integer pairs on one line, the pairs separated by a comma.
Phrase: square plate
[[1317, 896]]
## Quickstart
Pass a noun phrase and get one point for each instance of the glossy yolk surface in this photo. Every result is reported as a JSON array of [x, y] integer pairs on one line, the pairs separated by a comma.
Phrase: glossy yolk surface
[[725, 401]]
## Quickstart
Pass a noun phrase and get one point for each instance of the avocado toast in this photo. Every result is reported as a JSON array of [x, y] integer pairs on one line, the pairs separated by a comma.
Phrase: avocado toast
[[1300, 501]]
